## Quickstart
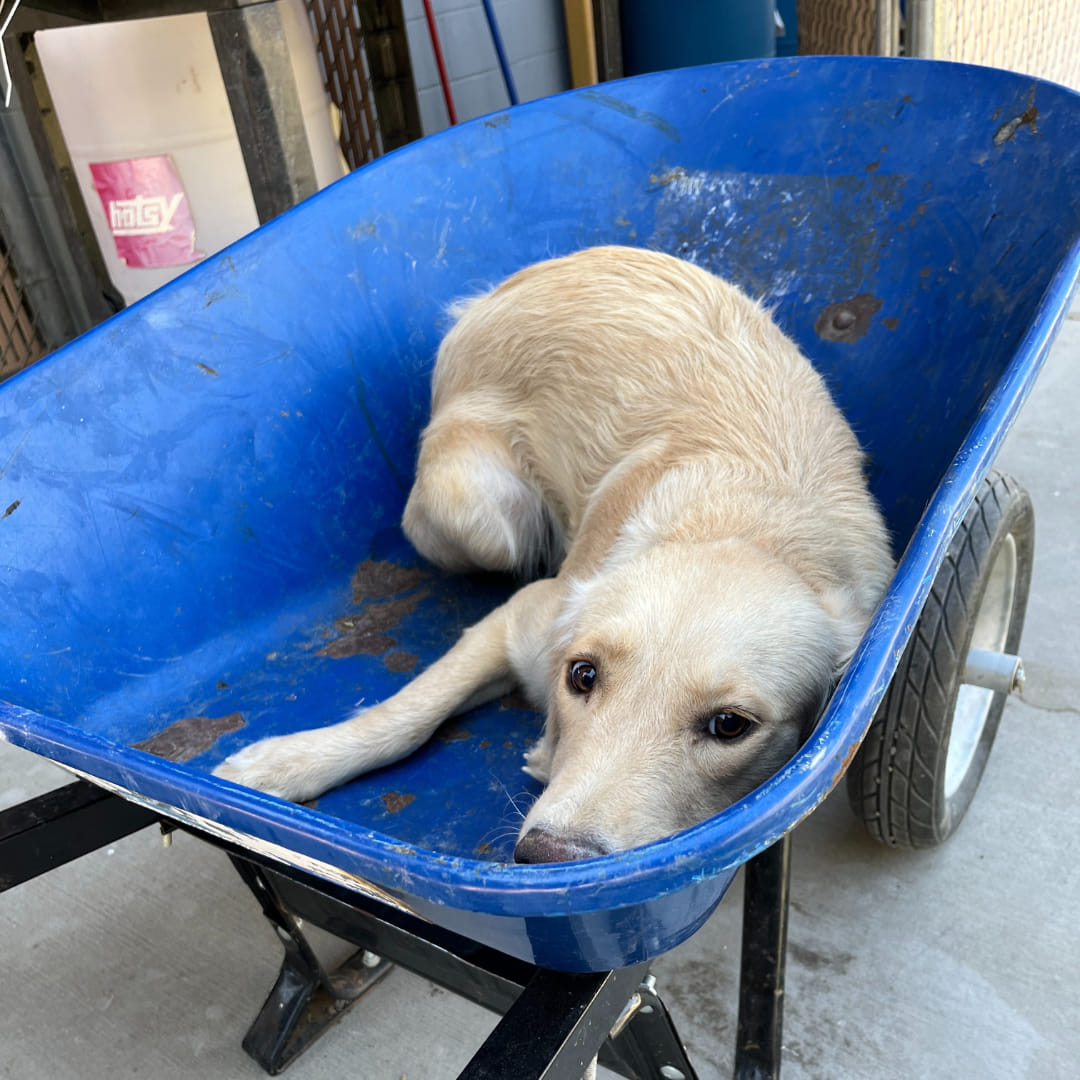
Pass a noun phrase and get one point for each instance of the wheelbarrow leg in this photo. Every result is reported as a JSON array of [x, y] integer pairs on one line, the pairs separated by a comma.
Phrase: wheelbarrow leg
[[556, 1027], [552, 1023], [761, 975], [306, 998], [644, 1043]]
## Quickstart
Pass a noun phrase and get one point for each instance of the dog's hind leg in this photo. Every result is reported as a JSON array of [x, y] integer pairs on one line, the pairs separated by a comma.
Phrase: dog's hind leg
[[497, 653], [471, 507]]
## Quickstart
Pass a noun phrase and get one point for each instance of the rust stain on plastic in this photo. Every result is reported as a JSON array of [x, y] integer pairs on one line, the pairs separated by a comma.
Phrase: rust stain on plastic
[[396, 801], [1026, 119], [669, 177], [190, 737], [849, 757], [374, 580], [401, 662], [368, 632]]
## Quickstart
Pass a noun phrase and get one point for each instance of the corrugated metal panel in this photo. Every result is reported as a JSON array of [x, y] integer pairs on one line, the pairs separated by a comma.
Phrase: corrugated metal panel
[[831, 27]]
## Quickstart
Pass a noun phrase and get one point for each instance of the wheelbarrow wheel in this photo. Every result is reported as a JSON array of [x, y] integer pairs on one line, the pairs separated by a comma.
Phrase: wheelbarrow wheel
[[921, 761]]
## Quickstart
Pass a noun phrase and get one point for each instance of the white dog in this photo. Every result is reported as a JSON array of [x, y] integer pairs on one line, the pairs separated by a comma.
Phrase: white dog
[[646, 428]]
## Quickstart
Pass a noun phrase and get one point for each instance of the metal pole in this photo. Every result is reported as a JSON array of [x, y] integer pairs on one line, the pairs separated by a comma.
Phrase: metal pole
[[761, 975], [921, 15], [887, 30]]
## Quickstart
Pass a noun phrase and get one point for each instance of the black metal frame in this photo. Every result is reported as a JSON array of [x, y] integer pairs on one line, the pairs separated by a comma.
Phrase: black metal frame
[[553, 1023], [43, 833]]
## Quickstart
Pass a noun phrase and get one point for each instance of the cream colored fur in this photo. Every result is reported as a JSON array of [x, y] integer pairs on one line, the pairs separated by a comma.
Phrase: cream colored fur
[[646, 428]]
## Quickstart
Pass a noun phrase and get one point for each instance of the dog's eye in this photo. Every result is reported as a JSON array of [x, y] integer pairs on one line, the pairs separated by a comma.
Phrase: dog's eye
[[728, 725], [581, 676]]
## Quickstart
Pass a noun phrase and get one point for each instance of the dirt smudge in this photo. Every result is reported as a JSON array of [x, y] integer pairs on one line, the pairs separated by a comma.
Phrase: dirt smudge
[[847, 320], [452, 733]]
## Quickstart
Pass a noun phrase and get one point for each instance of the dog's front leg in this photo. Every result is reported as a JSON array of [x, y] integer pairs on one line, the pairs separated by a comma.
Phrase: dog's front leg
[[486, 661]]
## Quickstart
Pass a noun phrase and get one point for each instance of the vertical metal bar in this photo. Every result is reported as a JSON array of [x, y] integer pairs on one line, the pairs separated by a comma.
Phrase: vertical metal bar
[[259, 81], [921, 21], [761, 975], [887, 29]]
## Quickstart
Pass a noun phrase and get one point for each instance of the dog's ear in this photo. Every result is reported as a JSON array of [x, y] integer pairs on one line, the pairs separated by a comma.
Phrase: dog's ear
[[849, 624]]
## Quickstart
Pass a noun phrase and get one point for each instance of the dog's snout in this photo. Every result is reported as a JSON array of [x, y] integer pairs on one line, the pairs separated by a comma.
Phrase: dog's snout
[[539, 845]]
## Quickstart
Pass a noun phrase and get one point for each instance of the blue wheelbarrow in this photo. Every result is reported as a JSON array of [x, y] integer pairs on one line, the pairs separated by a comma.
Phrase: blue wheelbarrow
[[201, 497]]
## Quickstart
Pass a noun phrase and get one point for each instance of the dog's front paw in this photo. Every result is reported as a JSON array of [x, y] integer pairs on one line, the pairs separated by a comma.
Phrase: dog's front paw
[[295, 767]]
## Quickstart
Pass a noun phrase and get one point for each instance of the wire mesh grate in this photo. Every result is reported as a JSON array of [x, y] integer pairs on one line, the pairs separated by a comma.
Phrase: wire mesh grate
[[339, 42], [20, 340]]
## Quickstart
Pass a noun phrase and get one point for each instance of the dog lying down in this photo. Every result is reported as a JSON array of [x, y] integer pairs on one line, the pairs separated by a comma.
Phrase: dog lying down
[[646, 428]]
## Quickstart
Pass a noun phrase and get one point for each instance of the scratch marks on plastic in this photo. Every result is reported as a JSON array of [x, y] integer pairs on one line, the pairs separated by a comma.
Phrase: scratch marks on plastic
[[642, 116], [769, 231], [1026, 119]]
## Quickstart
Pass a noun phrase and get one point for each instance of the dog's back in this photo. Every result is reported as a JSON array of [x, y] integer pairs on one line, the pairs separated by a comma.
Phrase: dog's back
[[570, 390]]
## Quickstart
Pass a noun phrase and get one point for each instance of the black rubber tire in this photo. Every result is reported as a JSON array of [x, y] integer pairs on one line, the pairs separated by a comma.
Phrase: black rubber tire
[[896, 784]]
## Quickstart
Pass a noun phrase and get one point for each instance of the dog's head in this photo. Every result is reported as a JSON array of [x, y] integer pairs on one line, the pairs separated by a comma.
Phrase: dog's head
[[680, 680]]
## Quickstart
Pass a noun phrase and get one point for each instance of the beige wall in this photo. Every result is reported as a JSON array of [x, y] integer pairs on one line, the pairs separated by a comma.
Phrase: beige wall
[[1035, 37]]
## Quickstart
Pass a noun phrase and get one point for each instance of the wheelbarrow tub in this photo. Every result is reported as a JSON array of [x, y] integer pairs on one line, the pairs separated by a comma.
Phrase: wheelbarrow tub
[[200, 498]]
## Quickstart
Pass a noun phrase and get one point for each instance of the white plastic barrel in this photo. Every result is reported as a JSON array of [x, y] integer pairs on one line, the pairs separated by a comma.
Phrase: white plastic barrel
[[150, 91]]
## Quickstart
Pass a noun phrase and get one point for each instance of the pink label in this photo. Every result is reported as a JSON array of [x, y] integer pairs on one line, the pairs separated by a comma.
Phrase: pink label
[[147, 211]]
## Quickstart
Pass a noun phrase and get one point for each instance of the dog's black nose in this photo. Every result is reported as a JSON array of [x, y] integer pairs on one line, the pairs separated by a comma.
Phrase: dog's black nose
[[541, 846]]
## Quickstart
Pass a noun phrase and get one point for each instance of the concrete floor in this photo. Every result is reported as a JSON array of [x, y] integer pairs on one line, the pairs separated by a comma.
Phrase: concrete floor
[[144, 962]]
